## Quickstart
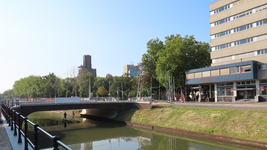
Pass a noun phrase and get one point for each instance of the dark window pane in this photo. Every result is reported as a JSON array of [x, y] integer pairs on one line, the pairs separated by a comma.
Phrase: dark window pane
[[242, 28], [243, 41]]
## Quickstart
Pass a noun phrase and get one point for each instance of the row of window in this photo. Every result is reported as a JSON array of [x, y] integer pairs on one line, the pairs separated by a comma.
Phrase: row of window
[[220, 9], [249, 12], [222, 21], [243, 41], [238, 2], [240, 56], [245, 27], [240, 42], [218, 72], [238, 29]]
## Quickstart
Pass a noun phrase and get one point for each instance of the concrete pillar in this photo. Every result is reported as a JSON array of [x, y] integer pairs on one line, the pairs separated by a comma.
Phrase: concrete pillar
[[235, 91], [210, 91], [215, 93], [258, 88], [200, 90]]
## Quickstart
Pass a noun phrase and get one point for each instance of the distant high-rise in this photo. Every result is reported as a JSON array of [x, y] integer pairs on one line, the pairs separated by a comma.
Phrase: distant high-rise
[[87, 66], [130, 71]]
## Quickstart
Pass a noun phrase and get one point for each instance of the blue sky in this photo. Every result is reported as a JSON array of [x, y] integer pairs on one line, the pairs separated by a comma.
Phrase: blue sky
[[42, 36]]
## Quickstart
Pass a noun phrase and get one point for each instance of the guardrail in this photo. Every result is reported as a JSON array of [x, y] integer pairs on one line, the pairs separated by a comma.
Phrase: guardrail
[[15, 120]]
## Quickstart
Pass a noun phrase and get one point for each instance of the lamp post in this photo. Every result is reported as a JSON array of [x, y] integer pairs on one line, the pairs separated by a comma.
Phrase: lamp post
[[109, 89], [89, 88]]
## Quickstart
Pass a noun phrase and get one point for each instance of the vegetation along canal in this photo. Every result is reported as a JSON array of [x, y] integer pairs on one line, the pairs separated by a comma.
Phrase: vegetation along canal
[[86, 134]]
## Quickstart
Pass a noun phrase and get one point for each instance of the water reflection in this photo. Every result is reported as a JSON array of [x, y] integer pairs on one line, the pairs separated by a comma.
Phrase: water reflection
[[91, 134], [156, 142]]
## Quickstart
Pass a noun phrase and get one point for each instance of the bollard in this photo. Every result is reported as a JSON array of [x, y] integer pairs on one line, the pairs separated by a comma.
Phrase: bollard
[[36, 144], [26, 133], [15, 123], [55, 139], [20, 123]]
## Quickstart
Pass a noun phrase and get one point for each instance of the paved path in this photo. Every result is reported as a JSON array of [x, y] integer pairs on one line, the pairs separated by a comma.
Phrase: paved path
[[4, 140], [240, 106]]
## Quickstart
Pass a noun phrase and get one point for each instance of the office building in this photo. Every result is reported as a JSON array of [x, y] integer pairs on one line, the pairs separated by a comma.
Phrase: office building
[[238, 52], [87, 66], [130, 71]]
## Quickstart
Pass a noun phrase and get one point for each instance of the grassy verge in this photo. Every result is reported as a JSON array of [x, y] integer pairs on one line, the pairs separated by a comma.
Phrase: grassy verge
[[245, 124]]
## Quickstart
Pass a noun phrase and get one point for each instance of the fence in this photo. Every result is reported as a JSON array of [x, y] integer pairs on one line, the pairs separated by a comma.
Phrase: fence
[[15, 120]]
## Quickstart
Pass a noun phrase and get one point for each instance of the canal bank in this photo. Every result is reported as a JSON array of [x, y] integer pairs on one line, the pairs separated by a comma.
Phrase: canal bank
[[241, 126]]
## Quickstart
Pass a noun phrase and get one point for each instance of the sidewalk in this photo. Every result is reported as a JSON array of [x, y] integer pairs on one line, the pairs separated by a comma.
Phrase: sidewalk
[[239, 106], [7, 139], [4, 140]]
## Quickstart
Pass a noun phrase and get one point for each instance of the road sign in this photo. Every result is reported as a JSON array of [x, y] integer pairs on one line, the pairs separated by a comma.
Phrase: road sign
[[232, 89], [262, 88]]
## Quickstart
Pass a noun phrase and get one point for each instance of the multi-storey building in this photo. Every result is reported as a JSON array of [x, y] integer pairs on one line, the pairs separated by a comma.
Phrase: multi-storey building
[[130, 71], [238, 52], [87, 66]]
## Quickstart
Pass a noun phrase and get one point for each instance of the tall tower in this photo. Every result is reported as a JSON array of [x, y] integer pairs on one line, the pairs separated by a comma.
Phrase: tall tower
[[87, 61], [87, 66]]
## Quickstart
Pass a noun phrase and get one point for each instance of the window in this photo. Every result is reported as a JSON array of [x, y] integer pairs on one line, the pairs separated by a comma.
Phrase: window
[[214, 72], [263, 67], [261, 52], [246, 68], [263, 81], [237, 69], [224, 71], [220, 9], [190, 75], [228, 92], [198, 75], [229, 84], [206, 73], [232, 70], [222, 21]]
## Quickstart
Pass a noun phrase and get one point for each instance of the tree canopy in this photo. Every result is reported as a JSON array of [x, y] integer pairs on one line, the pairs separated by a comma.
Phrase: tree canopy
[[172, 58]]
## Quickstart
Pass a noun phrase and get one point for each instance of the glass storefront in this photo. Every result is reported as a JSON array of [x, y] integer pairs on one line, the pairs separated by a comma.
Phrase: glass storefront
[[246, 90]]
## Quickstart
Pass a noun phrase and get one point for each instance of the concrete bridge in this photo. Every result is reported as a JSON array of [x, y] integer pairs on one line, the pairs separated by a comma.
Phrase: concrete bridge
[[99, 109]]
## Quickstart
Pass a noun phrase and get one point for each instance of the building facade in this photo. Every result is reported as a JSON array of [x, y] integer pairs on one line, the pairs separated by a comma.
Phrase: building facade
[[87, 66], [130, 71], [238, 52]]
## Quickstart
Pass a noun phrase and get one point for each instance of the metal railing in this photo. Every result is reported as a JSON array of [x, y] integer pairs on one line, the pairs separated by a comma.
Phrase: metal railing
[[15, 120]]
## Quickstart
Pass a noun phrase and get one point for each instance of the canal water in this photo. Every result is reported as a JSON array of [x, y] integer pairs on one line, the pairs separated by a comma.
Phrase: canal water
[[87, 134]]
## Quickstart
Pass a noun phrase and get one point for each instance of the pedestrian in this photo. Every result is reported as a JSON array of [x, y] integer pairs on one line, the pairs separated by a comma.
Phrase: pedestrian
[[65, 115]]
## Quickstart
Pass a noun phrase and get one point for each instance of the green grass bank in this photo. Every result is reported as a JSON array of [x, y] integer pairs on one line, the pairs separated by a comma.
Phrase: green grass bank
[[244, 124]]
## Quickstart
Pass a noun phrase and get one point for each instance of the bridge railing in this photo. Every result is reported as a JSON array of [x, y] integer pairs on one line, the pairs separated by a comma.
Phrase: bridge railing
[[15, 120]]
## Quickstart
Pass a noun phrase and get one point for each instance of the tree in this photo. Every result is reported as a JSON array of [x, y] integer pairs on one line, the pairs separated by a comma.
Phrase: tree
[[149, 63], [181, 54], [83, 83], [8, 94], [102, 91]]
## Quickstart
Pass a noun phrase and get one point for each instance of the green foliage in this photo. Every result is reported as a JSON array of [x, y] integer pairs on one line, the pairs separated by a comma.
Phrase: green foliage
[[8, 94], [181, 54], [172, 58]]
